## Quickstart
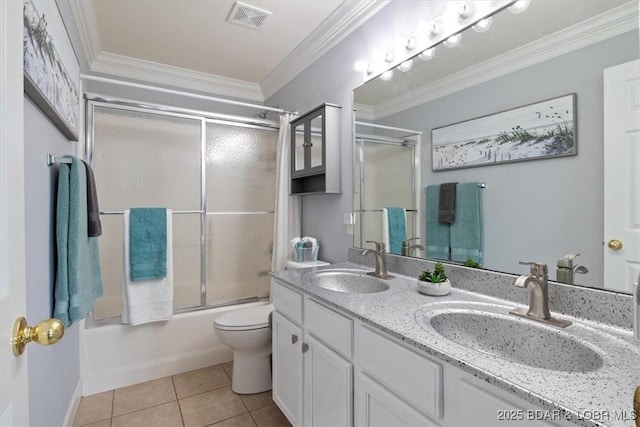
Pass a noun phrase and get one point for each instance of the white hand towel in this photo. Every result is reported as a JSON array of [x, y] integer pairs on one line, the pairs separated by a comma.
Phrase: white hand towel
[[147, 301]]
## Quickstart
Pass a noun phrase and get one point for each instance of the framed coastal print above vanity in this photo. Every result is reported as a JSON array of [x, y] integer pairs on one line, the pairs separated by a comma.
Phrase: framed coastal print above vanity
[[536, 131]]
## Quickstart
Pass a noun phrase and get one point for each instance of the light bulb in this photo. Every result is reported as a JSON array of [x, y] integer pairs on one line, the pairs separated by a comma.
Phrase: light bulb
[[453, 41], [360, 66], [369, 69], [387, 75], [405, 66], [388, 57], [482, 26], [464, 10], [519, 6], [432, 29], [427, 54], [410, 44]]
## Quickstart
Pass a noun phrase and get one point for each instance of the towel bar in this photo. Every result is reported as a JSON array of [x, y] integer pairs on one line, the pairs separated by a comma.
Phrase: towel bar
[[175, 212], [51, 159]]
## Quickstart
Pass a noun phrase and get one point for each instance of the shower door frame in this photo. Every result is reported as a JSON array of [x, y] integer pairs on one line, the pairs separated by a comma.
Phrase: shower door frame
[[93, 100], [360, 141]]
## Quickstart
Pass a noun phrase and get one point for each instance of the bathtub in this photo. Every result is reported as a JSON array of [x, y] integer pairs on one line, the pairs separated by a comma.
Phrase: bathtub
[[113, 356]]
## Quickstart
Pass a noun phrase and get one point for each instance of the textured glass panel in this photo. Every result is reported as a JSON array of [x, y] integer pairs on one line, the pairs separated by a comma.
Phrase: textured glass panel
[[186, 264], [112, 266], [186, 260], [241, 168], [299, 146], [238, 256], [388, 176], [144, 159], [372, 227], [316, 141]]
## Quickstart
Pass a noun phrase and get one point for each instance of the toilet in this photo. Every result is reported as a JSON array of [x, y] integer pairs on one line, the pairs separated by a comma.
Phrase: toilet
[[248, 332]]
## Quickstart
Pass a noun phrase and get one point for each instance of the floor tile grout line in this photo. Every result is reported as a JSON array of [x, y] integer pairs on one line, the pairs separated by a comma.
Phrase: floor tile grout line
[[144, 409], [177, 400]]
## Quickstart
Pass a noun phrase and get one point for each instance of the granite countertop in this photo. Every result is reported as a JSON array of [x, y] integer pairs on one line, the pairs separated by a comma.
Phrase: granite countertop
[[594, 398]]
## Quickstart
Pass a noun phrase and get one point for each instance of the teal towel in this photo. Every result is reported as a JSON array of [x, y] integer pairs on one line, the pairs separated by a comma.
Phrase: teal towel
[[397, 229], [437, 232], [467, 239], [78, 278], [148, 243]]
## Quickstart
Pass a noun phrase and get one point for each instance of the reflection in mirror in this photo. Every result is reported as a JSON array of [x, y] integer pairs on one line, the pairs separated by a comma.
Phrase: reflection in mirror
[[549, 210], [387, 179]]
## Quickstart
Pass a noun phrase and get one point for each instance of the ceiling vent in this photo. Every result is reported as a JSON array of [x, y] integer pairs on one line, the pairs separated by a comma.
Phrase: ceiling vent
[[248, 16]]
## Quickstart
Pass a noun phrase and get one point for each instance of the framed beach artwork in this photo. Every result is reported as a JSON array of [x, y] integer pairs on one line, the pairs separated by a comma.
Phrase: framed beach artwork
[[51, 69], [536, 131]]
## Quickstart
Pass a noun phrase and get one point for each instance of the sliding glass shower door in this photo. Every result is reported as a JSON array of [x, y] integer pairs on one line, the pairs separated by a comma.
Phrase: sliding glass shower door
[[217, 177]]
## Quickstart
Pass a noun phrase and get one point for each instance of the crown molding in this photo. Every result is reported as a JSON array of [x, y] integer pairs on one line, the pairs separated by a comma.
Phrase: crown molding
[[342, 22], [153, 72], [84, 16], [604, 26]]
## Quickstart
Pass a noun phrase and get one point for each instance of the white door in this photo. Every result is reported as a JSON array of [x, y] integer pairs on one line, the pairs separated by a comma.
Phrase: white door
[[622, 175], [13, 370]]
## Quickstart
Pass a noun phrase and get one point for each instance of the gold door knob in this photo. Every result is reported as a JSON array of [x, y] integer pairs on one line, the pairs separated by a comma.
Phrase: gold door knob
[[615, 244], [46, 332]]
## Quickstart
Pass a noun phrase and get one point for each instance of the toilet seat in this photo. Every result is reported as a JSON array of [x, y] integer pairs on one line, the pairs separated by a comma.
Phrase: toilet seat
[[245, 319]]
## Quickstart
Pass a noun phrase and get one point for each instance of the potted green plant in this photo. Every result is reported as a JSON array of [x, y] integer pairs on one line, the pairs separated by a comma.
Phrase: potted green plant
[[434, 283]]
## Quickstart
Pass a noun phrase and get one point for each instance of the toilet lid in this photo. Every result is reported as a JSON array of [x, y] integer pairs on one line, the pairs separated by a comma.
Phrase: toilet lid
[[246, 318]]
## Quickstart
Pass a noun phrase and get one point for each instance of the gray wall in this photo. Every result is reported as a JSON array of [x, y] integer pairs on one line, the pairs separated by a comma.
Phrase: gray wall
[[332, 79], [536, 210], [54, 370]]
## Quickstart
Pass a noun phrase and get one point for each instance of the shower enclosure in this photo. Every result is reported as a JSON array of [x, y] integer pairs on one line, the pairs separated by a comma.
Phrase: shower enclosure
[[387, 174], [215, 172]]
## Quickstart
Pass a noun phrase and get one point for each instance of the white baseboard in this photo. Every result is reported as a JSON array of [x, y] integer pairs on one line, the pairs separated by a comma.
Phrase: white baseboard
[[72, 410]]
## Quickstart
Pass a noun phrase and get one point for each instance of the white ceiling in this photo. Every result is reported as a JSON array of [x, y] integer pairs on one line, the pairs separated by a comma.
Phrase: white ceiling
[[189, 43]]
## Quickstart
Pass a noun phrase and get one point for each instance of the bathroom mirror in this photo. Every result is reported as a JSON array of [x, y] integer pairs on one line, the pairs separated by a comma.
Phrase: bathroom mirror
[[534, 210]]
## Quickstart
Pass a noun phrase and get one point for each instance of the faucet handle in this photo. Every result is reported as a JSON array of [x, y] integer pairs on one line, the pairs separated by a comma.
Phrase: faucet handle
[[379, 245], [406, 242], [537, 269]]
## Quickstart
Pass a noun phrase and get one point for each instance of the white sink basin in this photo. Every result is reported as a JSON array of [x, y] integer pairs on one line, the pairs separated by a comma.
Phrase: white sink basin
[[346, 280], [508, 337]]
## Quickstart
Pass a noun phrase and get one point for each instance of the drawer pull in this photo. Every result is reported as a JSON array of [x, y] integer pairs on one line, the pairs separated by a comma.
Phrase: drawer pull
[[305, 347], [294, 339]]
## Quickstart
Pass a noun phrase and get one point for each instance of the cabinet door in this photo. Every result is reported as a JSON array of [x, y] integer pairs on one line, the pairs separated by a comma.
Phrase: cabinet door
[[378, 407], [287, 368], [299, 148], [316, 143], [473, 402], [328, 386]]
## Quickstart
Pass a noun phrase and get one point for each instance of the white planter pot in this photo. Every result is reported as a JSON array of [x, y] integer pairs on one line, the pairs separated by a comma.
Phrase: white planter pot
[[434, 289]]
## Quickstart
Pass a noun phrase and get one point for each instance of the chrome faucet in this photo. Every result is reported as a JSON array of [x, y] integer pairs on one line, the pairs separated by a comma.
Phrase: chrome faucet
[[538, 285], [409, 249], [381, 261]]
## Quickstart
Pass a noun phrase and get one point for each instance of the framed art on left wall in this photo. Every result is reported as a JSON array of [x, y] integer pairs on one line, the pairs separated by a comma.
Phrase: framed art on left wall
[[51, 69]]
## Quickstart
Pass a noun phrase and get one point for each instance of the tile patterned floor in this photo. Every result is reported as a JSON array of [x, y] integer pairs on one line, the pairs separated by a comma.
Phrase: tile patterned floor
[[194, 399]]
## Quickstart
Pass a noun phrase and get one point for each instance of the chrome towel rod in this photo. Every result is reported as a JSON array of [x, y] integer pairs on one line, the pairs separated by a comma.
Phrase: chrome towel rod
[[51, 159], [175, 212]]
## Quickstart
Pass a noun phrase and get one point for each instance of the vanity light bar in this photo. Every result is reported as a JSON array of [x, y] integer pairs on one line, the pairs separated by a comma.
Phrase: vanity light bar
[[442, 28]]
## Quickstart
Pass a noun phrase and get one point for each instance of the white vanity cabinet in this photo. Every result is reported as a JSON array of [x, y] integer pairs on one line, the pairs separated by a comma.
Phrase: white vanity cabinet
[[397, 386], [333, 370], [312, 368]]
